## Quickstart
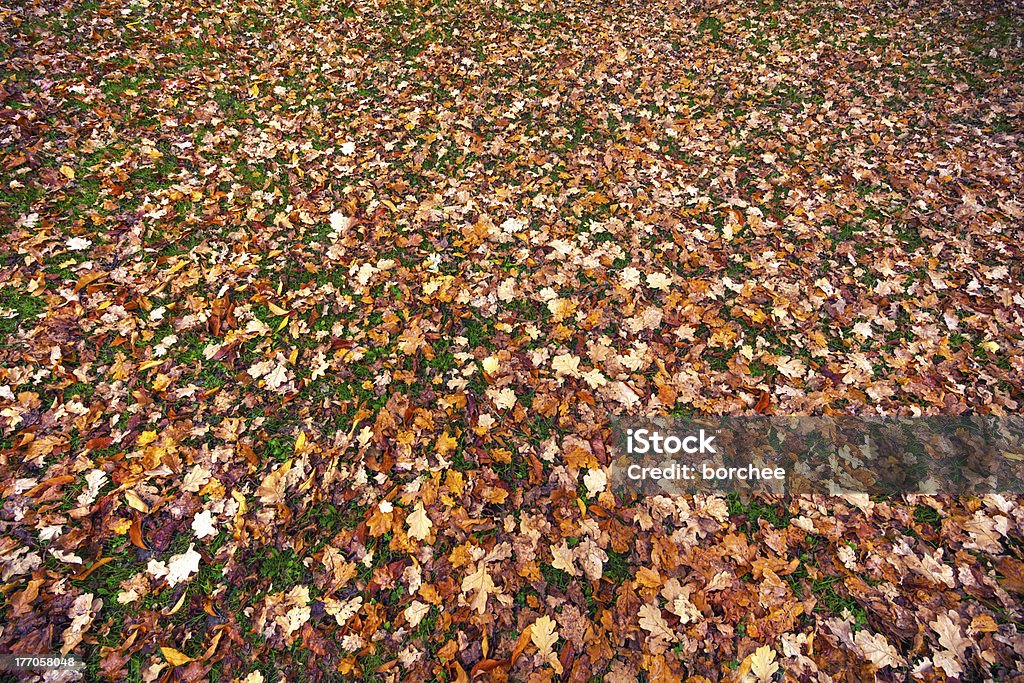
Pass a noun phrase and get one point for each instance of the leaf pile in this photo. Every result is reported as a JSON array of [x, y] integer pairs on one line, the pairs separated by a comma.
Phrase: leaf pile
[[313, 317]]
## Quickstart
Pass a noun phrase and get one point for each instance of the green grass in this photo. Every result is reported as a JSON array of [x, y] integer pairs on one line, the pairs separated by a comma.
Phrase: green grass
[[750, 511], [837, 603], [283, 568], [926, 514], [21, 308]]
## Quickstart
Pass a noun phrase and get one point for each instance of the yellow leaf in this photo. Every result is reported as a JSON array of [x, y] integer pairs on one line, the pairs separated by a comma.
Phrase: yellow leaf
[[272, 488], [300, 442], [254, 90], [151, 364], [243, 507], [67, 172], [146, 438], [419, 523], [275, 309], [762, 663], [446, 444], [175, 658], [136, 503], [121, 526], [481, 582], [544, 636]]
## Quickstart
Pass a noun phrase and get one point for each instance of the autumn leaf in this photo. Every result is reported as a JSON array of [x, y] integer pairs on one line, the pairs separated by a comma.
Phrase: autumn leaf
[[174, 657], [181, 567], [762, 663], [415, 612], [544, 635], [203, 525], [393, 271], [418, 522], [654, 623], [877, 650], [271, 490], [480, 585]]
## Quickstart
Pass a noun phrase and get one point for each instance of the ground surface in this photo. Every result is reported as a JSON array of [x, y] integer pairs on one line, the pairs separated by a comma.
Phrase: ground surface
[[313, 317]]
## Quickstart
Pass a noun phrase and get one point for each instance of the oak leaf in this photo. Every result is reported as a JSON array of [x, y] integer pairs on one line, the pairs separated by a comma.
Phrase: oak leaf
[[181, 567], [655, 624], [762, 663], [419, 523], [544, 635], [481, 583]]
